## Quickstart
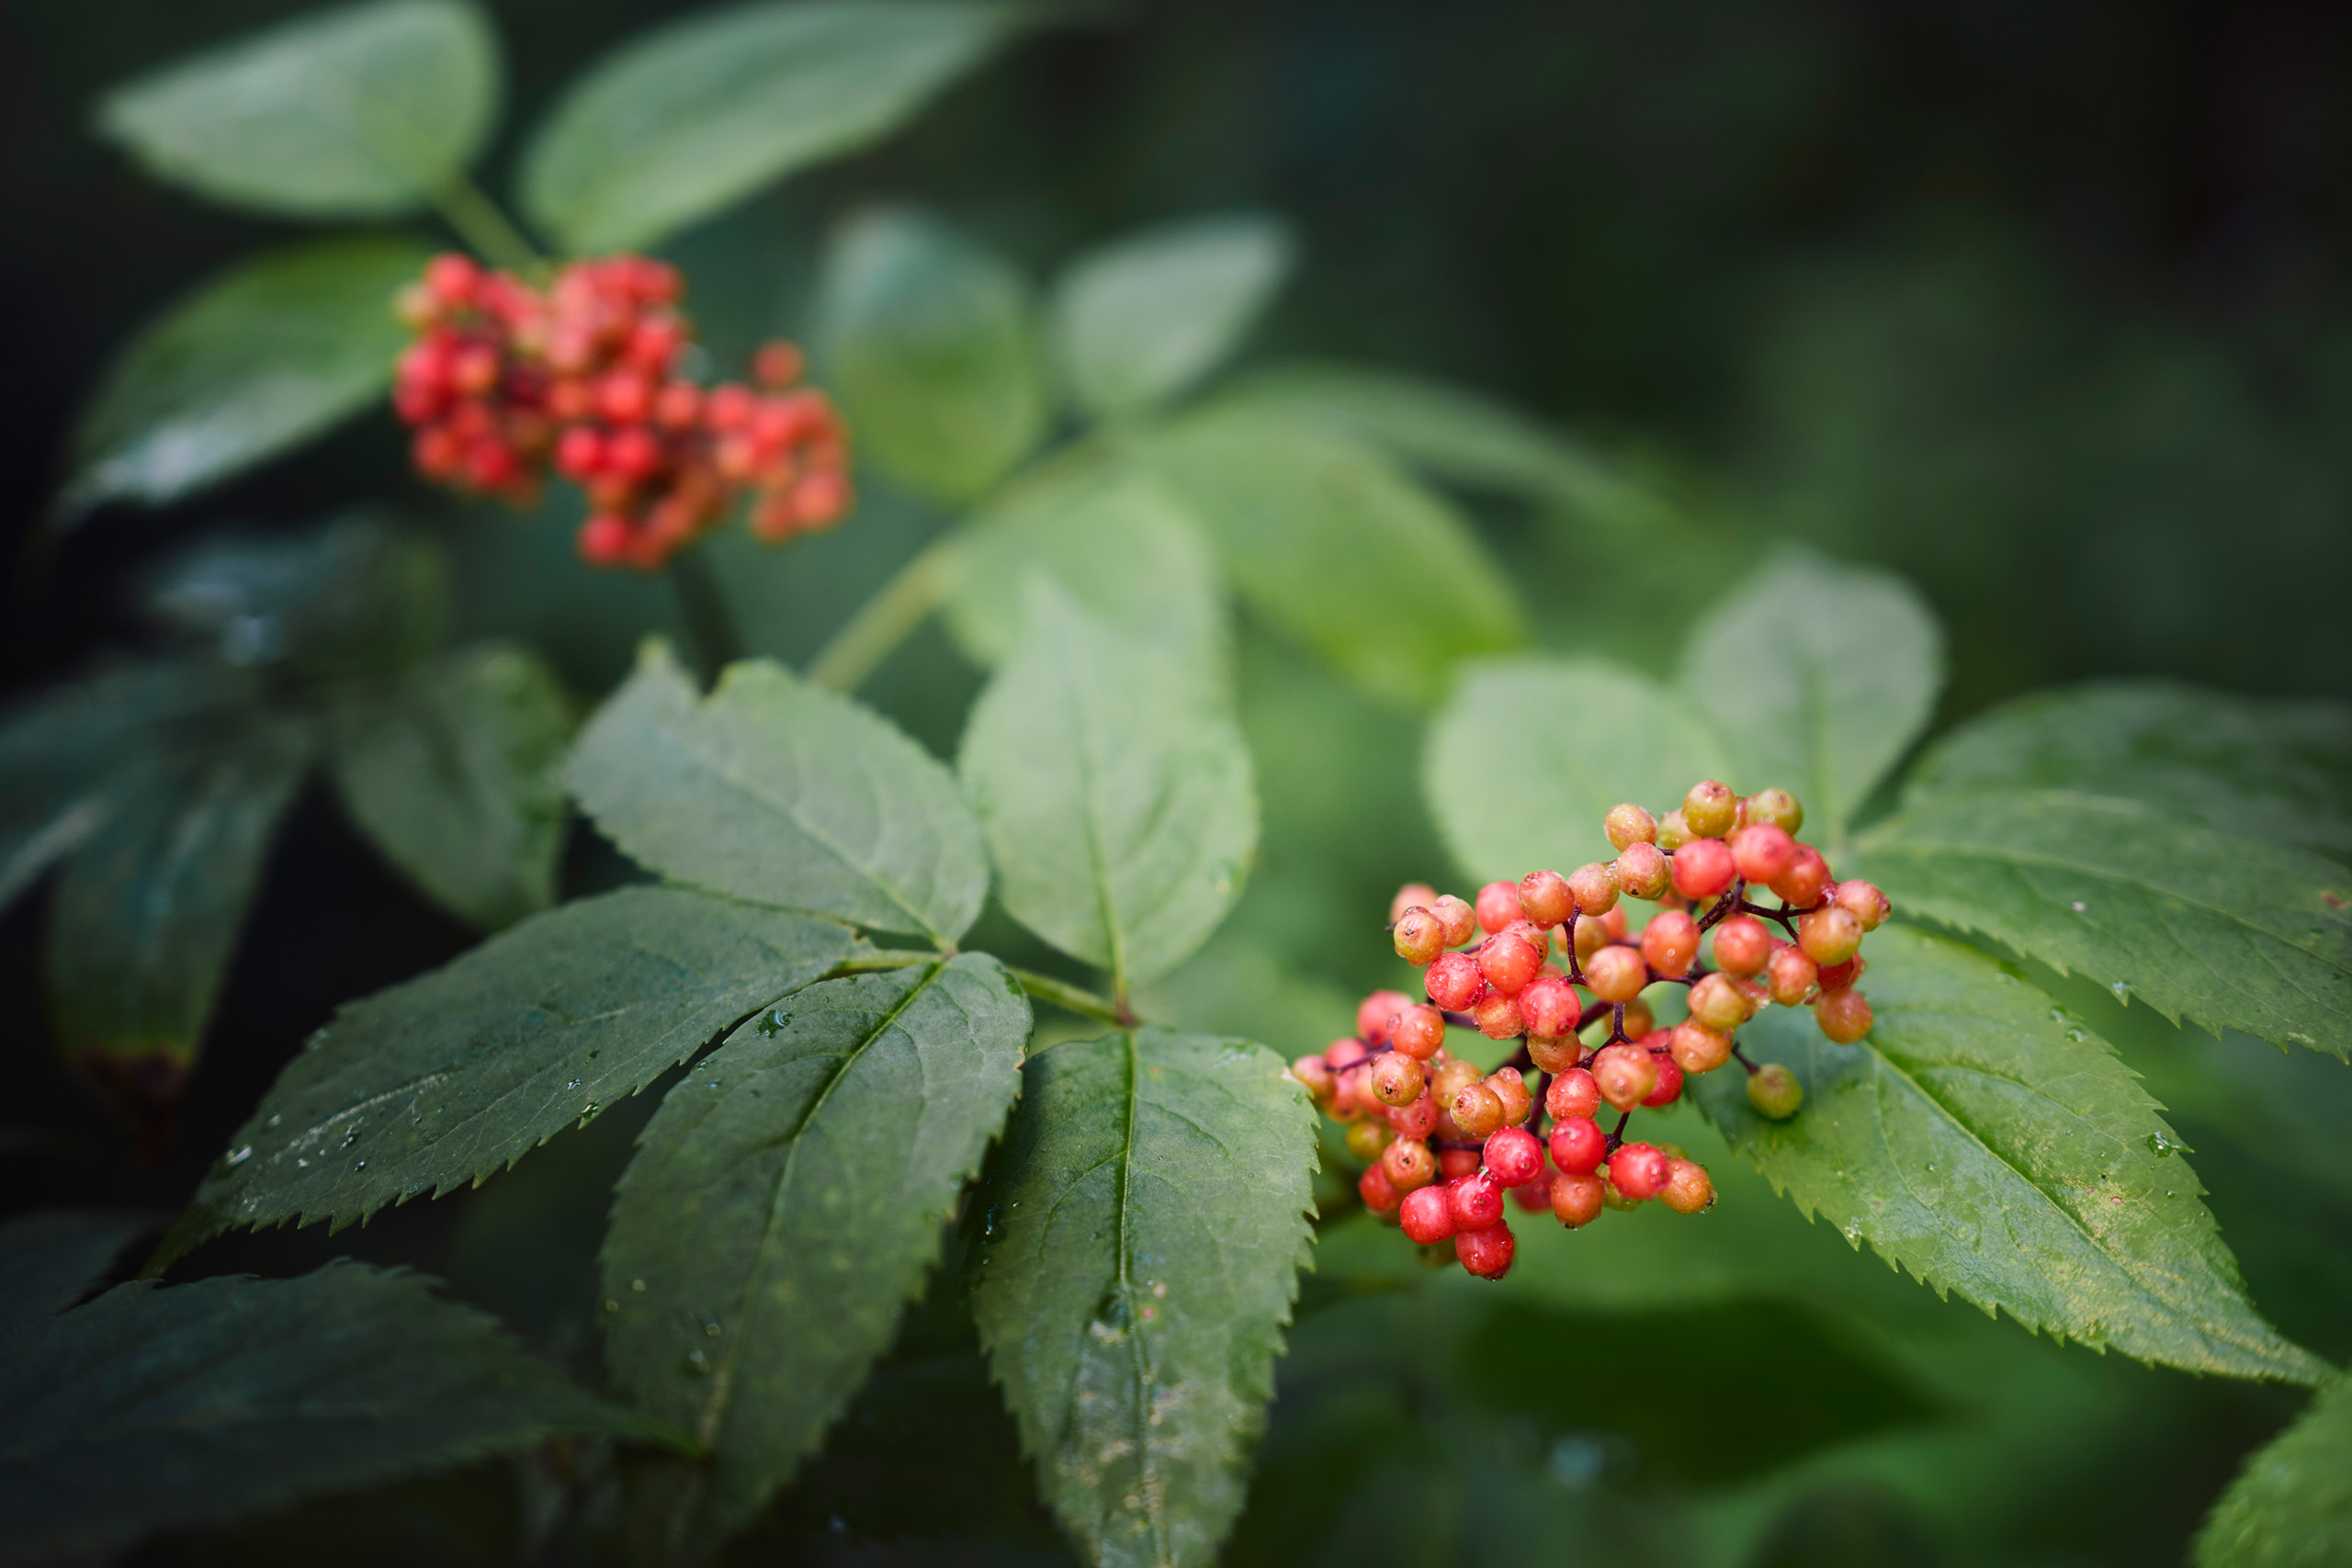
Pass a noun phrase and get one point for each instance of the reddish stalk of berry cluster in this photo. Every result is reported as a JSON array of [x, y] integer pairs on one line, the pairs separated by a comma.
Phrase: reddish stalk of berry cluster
[[1445, 1141], [504, 381]]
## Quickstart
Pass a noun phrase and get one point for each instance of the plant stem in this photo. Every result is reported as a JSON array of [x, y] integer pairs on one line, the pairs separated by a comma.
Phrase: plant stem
[[481, 225], [1072, 999], [705, 607], [884, 621]]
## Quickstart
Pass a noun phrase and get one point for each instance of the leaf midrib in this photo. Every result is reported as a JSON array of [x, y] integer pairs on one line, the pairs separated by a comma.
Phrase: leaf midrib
[[1155, 1499]]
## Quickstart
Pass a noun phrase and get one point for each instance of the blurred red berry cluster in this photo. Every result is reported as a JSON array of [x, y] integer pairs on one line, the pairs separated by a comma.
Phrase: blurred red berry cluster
[[505, 380]]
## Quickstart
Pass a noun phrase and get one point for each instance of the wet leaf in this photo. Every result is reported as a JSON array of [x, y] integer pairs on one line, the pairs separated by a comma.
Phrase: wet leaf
[[2292, 1507]]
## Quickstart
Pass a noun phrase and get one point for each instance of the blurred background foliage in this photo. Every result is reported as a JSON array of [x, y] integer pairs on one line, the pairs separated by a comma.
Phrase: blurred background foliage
[[2045, 307]]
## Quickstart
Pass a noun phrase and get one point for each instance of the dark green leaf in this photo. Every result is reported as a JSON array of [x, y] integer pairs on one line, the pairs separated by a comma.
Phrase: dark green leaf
[[50, 1256], [931, 344], [455, 1075], [1110, 540], [2292, 1507], [1576, 736], [683, 122], [778, 791], [149, 911], [1140, 1251], [453, 776], [1983, 1139], [162, 1408], [355, 595], [1336, 546], [2280, 771], [262, 359], [1818, 677], [1142, 318], [2229, 933], [360, 111], [783, 1205], [1115, 792]]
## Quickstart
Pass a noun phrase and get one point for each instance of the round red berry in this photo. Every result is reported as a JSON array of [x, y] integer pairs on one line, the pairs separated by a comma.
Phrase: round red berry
[[1791, 975], [1511, 1090], [1577, 1199], [1477, 1110], [1496, 1016], [1376, 1012], [1716, 1003], [1863, 901], [1419, 936], [1408, 1164], [1639, 1171], [1395, 1078], [1417, 1120], [1315, 1074], [1743, 944], [1616, 974], [1696, 1048], [1843, 1015], [1670, 943], [1459, 920], [1544, 897], [1486, 1253], [1498, 906], [1578, 1145], [1829, 935], [1508, 961], [1378, 1195], [1453, 981], [1346, 1053], [1806, 879], [1427, 1214], [1418, 1031], [1763, 853], [1513, 1157], [1549, 1008], [1453, 1164], [1641, 871], [1688, 1190], [1626, 1075], [1704, 868], [1572, 1093], [1477, 1200]]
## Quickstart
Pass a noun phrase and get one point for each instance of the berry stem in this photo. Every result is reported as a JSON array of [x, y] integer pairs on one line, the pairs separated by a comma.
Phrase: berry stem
[[488, 232], [709, 622], [886, 620], [1072, 999], [1741, 1057]]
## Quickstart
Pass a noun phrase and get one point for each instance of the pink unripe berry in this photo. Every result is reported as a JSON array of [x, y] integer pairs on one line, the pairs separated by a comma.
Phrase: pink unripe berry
[[1673, 832], [1778, 808], [1413, 894], [1763, 853], [1511, 1090], [1669, 1082], [1806, 879], [1702, 868], [1346, 1053], [1419, 1032], [1315, 1074], [1829, 935], [1352, 1094], [1486, 1253], [1641, 871], [1452, 1165], [1544, 897], [1719, 1004], [1378, 1193], [1498, 906], [1627, 824], [1477, 1110], [578, 453], [1863, 901], [1670, 943], [1419, 936], [1549, 1007], [1409, 1165], [1791, 975], [1496, 1016], [1451, 1076], [1477, 1200], [1578, 1145], [1572, 1093], [1453, 981], [1688, 1190], [1616, 974], [1417, 1120], [1596, 891], [1743, 945], [1536, 1196], [1838, 976], [1711, 809], [1461, 921], [1508, 961], [1395, 1078], [1577, 1199], [1427, 1214], [1697, 1049], [1843, 1015], [1376, 1012], [1639, 1170], [1626, 1075], [1513, 1157], [1556, 1054]]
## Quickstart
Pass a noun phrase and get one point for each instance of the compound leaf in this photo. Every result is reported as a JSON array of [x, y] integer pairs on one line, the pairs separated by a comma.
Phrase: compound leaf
[[783, 1205], [1983, 1139], [452, 773], [2257, 769], [1115, 791], [932, 344], [360, 111], [2229, 933], [1578, 737], [455, 1075], [692, 116], [1331, 543], [50, 1255], [2291, 1505], [1817, 676], [273, 351], [158, 1408], [1145, 1226], [1141, 320], [778, 791]]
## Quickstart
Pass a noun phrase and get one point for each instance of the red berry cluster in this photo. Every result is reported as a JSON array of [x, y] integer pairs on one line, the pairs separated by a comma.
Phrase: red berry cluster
[[1447, 1141], [504, 379]]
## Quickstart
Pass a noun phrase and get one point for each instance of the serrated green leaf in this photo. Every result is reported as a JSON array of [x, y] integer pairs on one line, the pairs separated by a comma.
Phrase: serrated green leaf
[[1986, 1141], [1141, 320], [262, 359], [149, 911], [1529, 754], [784, 1206], [2229, 933], [359, 111], [50, 1255], [1145, 1226], [452, 775], [1111, 540], [690, 117], [1818, 677], [1115, 792], [2245, 766], [778, 791], [356, 595], [457, 1074], [2291, 1505], [933, 347], [155, 1408], [1335, 546]]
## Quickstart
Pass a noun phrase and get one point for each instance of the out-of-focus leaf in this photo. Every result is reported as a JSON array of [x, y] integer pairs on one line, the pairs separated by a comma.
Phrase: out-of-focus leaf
[[783, 1207], [149, 911], [1984, 1140], [355, 595], [1115, 793], [50, 1256], [1141, 320], [453, 776], [1144, 1229], [2292, 1507], [450, 1076], [680, 123], [1111, 541], [2229, 933], [262, 359], [1817, 676], [1338, 549], [2245, 766], [1577, 736], [154, 1408], [778, 791], [932, 345], [359, 111]]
